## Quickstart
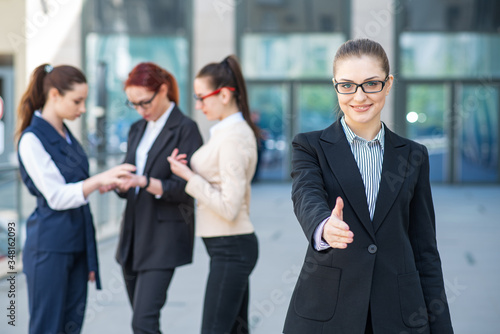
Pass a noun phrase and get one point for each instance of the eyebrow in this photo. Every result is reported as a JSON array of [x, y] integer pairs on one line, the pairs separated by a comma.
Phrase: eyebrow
[[367, 79]]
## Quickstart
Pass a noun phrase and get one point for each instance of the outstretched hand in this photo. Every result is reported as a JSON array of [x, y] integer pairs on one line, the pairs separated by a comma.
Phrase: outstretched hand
[[336, 232], [178, 165]]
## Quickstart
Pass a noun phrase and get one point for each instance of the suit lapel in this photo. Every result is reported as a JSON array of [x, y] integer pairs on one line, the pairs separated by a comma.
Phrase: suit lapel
[[135, 138], [394, 167], [343, 165], [163, 138]]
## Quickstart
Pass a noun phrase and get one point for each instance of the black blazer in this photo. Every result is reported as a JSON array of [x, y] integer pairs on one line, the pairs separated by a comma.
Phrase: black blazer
[[159, 233], [392, 267]]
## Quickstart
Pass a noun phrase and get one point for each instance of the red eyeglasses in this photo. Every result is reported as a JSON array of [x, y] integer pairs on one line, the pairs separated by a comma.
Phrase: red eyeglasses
[[215, 92]]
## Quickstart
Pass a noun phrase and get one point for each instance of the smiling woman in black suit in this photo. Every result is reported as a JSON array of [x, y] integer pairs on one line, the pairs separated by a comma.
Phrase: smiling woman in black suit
[[158, 225], [362, 196]]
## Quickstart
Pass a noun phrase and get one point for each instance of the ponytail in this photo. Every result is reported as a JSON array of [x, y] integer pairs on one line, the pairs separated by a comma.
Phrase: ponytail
[[33, 99], [228, 73], [43, 78]]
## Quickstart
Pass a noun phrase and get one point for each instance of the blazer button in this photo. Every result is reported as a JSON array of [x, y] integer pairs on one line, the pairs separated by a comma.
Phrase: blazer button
[[372, 249]]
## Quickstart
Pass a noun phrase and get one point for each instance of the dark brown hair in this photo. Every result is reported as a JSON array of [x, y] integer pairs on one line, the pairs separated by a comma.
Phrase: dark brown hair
[[228, 73], [152, 76], [43, 78], [362, 47]]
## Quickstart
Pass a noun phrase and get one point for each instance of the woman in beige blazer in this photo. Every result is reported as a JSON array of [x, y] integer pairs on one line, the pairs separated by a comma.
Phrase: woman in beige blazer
[[222, 170]]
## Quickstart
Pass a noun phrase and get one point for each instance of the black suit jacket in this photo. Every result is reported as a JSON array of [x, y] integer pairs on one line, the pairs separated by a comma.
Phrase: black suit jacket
[[392, 267], [159, 233]]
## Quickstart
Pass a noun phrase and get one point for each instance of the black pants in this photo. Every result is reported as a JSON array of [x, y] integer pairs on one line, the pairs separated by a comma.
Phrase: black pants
[[232, 259], [147, 293]]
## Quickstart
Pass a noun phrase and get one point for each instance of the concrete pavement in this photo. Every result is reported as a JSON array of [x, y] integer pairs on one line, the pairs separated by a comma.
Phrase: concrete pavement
[[468, 227]]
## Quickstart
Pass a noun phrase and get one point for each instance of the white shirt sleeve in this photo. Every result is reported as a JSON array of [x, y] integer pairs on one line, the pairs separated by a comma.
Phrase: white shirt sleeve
[[319, 243], [47, 177]]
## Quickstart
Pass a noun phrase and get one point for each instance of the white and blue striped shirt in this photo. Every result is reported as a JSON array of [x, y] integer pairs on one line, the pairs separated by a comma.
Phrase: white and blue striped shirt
[[369, 156]]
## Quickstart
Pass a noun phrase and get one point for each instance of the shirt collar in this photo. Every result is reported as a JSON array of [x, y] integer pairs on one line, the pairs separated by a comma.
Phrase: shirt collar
[[160, 122], [351, 136], [229, 120]]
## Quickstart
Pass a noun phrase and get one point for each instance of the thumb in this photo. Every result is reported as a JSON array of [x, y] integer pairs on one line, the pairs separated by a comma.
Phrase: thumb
[[338, 209]]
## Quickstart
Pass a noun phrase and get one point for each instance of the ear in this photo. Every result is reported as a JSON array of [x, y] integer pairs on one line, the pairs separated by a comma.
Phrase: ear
[[163, 90], [388, 84], [53, 93], [225, 95]]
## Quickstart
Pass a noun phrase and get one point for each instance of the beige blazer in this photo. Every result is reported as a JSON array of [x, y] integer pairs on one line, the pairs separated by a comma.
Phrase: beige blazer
[[224, 166]]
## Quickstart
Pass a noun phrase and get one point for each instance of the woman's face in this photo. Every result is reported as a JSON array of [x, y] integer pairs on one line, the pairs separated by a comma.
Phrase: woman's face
[[211, 106], [71, 105], [362, 109], [149, 104]]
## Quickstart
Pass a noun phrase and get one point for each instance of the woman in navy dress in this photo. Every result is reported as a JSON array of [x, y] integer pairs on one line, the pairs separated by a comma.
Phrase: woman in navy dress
[[60, 254]]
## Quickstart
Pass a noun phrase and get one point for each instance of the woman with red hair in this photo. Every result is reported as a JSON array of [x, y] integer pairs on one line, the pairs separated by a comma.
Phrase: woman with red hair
[[157, 230]]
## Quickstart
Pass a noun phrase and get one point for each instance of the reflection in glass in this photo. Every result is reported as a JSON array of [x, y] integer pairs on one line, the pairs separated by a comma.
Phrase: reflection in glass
[[269, 104], [292, 56], [426, 118], [449, 55], [478, 112], [120, 53], [316, 104]]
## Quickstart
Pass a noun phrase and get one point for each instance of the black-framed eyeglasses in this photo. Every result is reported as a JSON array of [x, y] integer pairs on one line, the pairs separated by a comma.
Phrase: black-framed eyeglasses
[[143, 104], [215, 92], [368, 87]]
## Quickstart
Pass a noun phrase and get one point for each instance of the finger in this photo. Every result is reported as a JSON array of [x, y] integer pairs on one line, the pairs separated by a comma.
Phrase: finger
[[338, 245], [127, 167], [337, 238], [338, 209], [92, 276], [335, 232], [181, 156], [174, 153]]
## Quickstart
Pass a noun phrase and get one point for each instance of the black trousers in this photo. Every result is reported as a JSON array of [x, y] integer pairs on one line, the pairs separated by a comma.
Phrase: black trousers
[[232, 259], [147, 293]]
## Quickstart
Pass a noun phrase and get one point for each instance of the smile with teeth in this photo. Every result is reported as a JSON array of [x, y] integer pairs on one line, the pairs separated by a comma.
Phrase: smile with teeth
[[362, 107]]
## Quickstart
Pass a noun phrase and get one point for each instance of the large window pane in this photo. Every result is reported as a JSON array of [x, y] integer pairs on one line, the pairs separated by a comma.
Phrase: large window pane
[[316, 104], [133, 17], [292, 16], [269, 105], [292, 56], [426, 119], [478, 112], [452, 15], [437, 55]]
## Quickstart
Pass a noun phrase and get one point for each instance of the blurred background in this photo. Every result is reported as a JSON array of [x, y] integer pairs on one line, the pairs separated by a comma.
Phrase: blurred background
[[444, 55]]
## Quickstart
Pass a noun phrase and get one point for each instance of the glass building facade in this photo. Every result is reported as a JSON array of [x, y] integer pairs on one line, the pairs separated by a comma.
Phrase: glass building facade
[[287, 50], [449, 85]]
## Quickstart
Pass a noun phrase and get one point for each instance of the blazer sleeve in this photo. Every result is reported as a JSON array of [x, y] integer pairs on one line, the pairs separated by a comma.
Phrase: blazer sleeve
[[189, 141], [422, 232], [309, 196], [128, 159], [225, 200]]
